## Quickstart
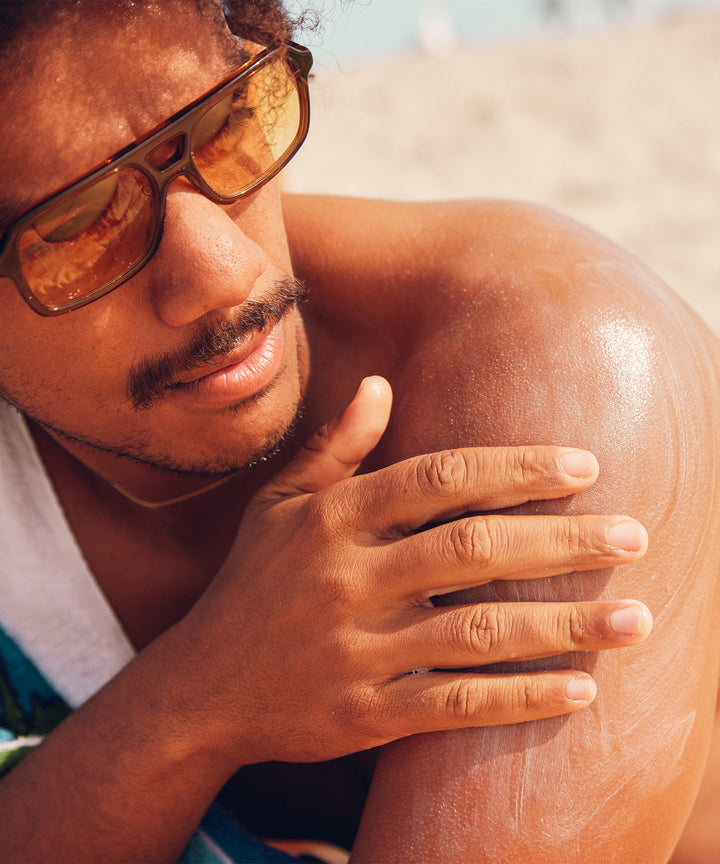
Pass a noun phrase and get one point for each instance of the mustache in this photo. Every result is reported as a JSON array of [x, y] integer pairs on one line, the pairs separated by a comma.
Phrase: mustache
[[149, 378]]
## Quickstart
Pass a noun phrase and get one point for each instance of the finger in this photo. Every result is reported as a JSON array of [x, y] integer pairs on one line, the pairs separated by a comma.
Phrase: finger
[[478, 549], [433, 701], [335, 452], [441, 486], [475, 635]]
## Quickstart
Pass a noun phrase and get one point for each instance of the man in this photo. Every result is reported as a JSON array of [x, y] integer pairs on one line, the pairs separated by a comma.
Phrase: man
[[214, 609]]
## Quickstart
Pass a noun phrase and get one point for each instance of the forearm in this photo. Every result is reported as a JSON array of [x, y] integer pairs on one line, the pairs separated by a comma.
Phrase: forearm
[[127, 777]]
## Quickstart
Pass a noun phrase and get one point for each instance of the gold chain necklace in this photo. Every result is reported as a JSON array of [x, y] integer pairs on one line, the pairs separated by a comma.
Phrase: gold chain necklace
[[155, 505]]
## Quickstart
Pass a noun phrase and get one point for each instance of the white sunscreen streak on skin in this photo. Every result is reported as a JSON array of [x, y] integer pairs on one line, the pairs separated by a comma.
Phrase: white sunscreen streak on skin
[[616, 754], [550, 782], [584, 786]]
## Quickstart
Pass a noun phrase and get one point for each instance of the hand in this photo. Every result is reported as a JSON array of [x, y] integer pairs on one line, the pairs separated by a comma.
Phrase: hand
[[323, 608]]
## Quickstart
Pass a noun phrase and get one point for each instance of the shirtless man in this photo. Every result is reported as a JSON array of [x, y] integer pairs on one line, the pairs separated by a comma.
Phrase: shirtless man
[[254, 610]]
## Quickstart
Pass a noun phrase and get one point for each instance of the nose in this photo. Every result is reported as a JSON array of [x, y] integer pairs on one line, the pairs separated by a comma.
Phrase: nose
[[204, 263]]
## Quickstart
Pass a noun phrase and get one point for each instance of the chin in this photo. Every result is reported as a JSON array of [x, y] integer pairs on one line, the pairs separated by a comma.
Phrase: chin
[[238, 440]]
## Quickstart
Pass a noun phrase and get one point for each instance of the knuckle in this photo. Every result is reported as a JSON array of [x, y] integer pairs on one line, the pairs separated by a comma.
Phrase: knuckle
[[332, 577], [321, 512], [472, 541], [336, 591], [442, 473], [511, 700], [357, 703], [461, 702], [530, 694], [525, 466], [327, 512], [570, 537], [358, 710], [484, 629], [573, 627]]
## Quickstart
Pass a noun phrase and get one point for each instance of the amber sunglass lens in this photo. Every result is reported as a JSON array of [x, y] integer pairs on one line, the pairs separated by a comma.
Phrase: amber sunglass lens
[[88, 238], [249, 130]]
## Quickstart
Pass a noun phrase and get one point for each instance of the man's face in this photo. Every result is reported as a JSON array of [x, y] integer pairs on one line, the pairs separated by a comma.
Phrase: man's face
[[109, 374]]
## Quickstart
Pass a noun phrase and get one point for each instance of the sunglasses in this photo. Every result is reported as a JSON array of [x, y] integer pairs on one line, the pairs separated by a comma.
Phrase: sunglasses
[[87, 239]]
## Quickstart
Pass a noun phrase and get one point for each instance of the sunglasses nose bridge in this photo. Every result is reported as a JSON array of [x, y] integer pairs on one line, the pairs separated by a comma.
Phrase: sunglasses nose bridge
[[167, 161], [170, 158]]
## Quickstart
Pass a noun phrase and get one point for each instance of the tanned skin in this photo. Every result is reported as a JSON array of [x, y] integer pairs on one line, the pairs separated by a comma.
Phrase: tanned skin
[[512, 336], [569, 339]]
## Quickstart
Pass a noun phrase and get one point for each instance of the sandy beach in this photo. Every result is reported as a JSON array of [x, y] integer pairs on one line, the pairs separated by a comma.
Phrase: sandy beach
[[619, 129]]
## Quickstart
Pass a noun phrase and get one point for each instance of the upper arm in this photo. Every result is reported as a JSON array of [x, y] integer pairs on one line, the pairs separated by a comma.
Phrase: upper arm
[[551, 335]]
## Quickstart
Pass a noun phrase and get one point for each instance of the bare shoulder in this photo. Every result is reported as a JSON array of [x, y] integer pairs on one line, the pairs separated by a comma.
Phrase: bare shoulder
[[412, 241], [494, 290], [509, 311], [520, 326], [443, 256]]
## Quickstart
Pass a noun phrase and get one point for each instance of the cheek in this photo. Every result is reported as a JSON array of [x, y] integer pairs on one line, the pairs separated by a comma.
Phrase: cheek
[[52, 364]]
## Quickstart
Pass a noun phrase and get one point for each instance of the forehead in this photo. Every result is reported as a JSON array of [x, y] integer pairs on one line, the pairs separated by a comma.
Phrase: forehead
[[97, 76]]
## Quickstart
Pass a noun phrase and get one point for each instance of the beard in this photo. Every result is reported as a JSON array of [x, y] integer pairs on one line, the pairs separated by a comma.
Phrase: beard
[[152, 378], [141, 450]]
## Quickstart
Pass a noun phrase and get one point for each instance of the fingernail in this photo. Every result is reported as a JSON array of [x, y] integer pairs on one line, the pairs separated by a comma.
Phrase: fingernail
[[578, 463], [631, 620], [628, 535], [581, 689]]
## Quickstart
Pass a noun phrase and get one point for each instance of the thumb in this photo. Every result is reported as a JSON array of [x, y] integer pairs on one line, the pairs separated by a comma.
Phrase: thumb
[[336, 450]]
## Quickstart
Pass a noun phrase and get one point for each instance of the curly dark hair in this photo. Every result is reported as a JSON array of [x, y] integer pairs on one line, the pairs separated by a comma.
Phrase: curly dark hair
[[263, 21]]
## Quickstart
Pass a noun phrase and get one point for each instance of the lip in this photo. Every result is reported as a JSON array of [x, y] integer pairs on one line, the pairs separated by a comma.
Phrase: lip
[[236, 380]]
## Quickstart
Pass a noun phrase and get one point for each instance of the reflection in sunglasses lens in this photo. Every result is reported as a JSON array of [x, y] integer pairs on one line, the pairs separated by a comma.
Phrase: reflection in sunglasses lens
[[107, 228], [245, 134], [75, 213]]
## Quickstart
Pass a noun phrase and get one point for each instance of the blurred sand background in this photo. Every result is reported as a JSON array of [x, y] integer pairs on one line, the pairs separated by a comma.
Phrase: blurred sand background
[[619, 127]]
